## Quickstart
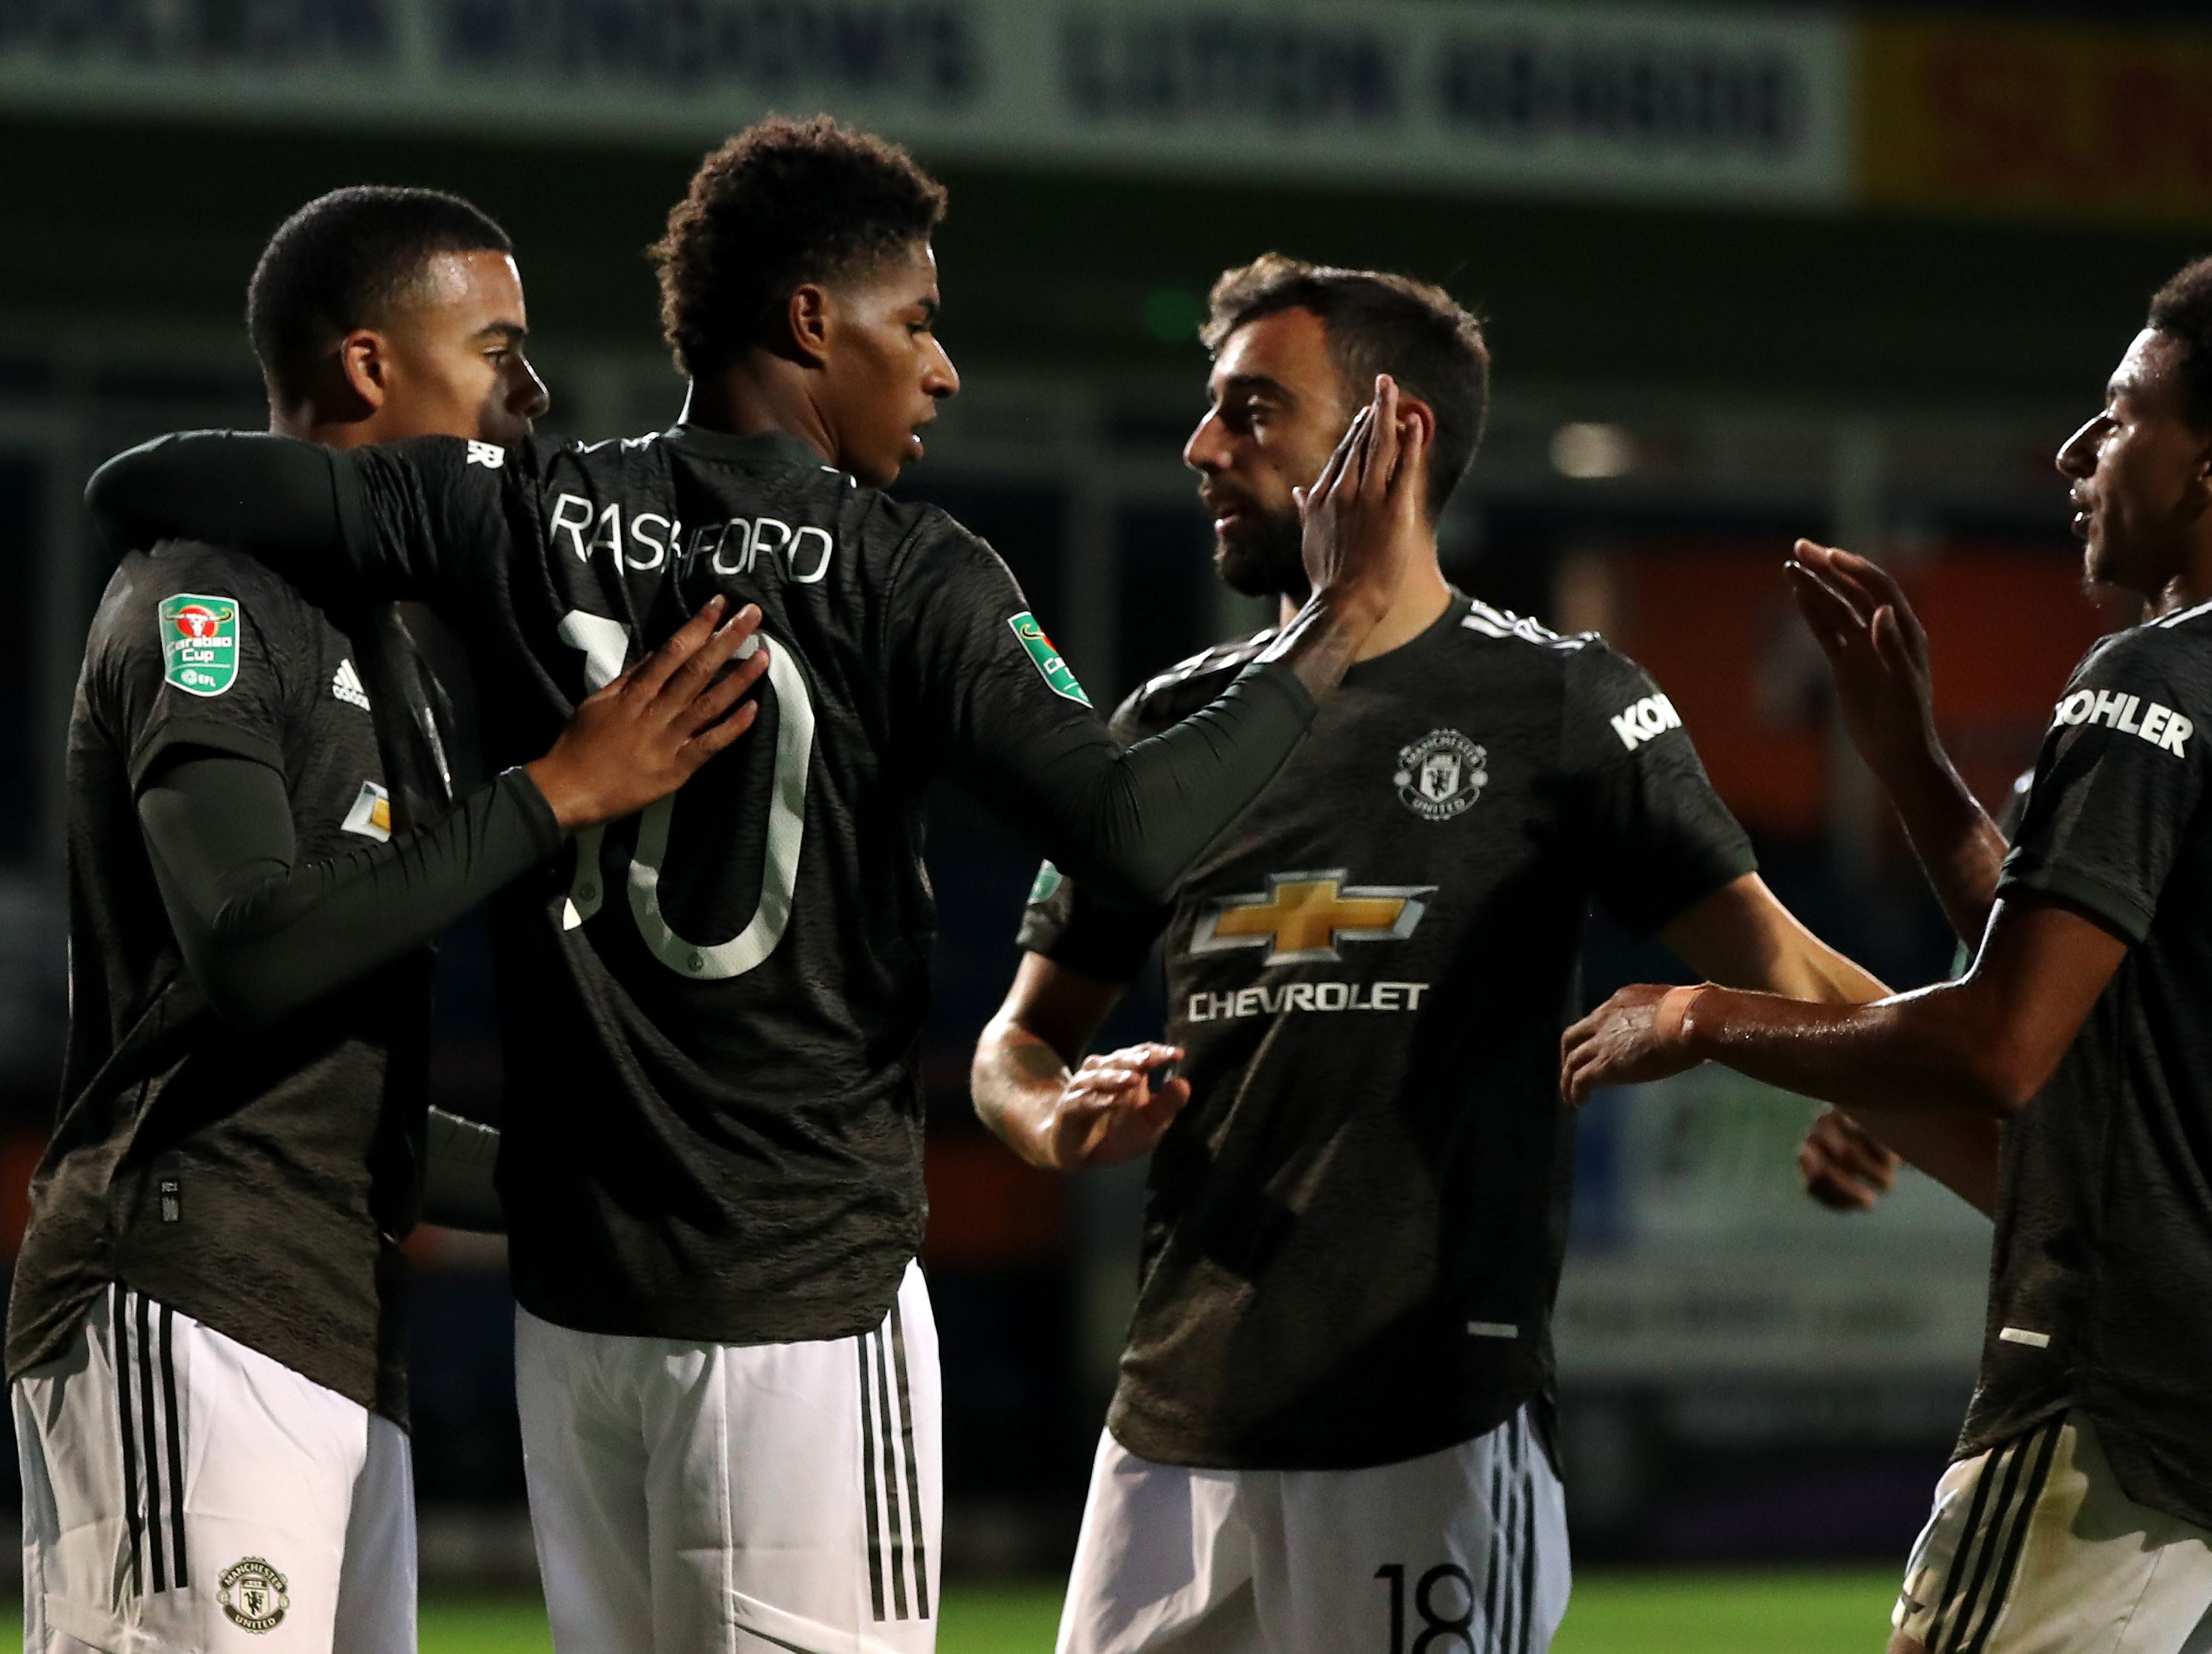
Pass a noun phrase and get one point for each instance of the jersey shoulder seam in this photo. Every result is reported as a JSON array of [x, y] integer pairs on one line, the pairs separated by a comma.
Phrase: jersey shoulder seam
[[2183, 617], [1236, 654], [1485, 620]]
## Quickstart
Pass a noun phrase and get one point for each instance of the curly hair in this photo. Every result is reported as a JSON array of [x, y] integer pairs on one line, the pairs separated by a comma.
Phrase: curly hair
[[782, 204], [2182, 310], [343, 261], [1376, 323]]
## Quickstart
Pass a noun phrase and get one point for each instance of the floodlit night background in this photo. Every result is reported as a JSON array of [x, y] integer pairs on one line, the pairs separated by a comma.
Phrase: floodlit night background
[[1748, 271]]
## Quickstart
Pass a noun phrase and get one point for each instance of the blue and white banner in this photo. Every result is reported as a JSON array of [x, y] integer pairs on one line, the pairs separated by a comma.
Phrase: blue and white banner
[[1683, 103]]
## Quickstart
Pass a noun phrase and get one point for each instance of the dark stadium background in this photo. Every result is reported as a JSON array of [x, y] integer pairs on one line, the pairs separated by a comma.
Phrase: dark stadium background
[[1680, 389]]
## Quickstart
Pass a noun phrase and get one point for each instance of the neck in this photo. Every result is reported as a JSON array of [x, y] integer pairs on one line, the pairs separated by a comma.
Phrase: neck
[[1422, 600], [758, 393], [2191, 584], [311, 423]]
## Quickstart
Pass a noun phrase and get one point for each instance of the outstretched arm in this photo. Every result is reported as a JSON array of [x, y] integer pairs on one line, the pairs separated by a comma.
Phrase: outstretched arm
[[265, 933], [345, 526], [1741, 936], [1014, 728], [293, 505], [1878, 654], [1984, 1044]]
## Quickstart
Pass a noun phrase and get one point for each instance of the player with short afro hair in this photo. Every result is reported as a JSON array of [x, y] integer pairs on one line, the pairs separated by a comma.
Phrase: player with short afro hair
[[782, 204]]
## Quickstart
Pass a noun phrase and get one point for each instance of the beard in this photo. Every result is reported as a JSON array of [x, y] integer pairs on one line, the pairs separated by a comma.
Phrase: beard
[[1266, 558]]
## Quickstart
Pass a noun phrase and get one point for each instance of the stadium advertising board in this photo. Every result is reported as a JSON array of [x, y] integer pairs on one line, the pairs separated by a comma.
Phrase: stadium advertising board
[[1682, 103], [1696, 1252], [2037, 120]]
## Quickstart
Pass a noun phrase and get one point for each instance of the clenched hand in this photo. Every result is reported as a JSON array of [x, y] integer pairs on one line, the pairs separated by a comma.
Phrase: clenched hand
[[1635, 1036], [1843, 1167], [1110, 1111]]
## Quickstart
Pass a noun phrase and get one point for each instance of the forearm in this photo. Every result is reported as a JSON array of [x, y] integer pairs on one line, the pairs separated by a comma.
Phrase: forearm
[[265, 937], [1131, 821], [1958, 847], [1016, 1080], [1958, 1151], [1916, 1053], [293, 505]]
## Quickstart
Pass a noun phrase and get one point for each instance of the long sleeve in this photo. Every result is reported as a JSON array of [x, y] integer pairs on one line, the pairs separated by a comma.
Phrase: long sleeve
[[1006, 718], [265, 934]]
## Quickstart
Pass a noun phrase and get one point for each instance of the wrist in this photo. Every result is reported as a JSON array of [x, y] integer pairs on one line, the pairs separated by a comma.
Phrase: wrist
[[1354, 609], [563, 797], [1917, 769], [1671, 1028]]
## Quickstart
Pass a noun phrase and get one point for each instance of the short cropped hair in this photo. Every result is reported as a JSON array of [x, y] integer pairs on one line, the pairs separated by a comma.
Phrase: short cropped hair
[[343, 261], [1376, 323], [782, 204], [2182, 310]]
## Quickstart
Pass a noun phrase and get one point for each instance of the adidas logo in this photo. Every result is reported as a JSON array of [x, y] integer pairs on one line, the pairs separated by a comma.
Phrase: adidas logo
[[346, 685]]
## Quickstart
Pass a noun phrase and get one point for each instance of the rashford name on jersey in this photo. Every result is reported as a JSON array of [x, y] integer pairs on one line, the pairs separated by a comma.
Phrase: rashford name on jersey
[[710, 1010], [1353, 1232]]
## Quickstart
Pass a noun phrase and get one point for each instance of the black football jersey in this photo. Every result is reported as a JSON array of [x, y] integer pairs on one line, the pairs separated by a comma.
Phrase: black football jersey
[[713, 1126], [2103, 1220], [1353, 1233], [255, 1180]]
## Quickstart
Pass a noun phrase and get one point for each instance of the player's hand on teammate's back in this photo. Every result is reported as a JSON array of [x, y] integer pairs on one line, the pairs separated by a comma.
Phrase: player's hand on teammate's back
[[1111, 1111], [1635, 1036], [642, 736], [1363, 516], [1877, 652], [1842, 1166]]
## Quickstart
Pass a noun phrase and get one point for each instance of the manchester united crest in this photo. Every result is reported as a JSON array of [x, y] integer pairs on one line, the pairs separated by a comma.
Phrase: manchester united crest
[[252, 1594], [1441, 775]]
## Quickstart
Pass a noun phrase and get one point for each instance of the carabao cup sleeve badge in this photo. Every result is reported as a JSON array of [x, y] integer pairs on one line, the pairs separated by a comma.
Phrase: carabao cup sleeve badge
[[1054, 670], [199, 642]]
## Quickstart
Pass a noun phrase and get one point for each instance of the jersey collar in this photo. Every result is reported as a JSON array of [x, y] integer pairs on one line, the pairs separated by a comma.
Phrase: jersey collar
[[1415, 648], [761, 448]]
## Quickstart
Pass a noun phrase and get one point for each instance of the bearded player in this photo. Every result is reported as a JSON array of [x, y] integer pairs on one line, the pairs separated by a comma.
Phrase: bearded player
[[2075, 1515], [1333, 1429]]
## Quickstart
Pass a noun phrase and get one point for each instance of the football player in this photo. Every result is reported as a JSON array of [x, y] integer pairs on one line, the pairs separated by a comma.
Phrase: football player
[[1332, 1427], [206, 1334], [2075, 1513]]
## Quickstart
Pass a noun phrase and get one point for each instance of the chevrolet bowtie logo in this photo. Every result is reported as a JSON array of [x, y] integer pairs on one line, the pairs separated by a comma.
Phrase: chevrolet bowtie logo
[[1305, 916]]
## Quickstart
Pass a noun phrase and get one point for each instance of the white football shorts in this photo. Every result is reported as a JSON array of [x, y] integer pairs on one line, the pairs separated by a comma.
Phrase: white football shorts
[[690, 1498], [1459, 1550], [182, 1494], [2033, 1548]]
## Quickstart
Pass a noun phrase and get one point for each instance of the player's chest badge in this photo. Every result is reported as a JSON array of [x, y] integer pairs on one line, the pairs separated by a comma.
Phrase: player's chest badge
[[1442, 774], [252, 1594]]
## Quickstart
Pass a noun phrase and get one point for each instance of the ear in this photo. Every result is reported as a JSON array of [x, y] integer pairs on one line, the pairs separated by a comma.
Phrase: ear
[[365, 364], [811, 318], [1412, 408]]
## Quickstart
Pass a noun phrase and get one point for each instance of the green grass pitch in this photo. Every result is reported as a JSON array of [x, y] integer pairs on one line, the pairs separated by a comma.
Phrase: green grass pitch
[[1671, 1612], [1841, 1612]]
